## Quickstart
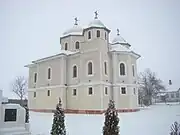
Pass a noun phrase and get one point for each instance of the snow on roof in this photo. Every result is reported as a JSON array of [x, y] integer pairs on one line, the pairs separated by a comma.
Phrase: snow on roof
[[75, 30], [62, 52], [161, 94], [119, 47], [96, 23], [119, 39], [171, 88]]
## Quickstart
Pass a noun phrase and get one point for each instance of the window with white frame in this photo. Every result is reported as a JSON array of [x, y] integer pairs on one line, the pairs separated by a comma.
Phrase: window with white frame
[[106, 90], [89, 34], [90, 90], [77, 45], [98, 33], [105, 68], [66, 46], [48, 93], [90, 68], [74, 71], [74, 92], [123, 90], [49, 73], [35, 77], [122, 69], [34, 94], [133, 70]]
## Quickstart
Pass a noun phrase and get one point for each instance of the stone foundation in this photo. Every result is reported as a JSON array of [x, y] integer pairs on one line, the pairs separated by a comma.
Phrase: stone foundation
[[72, 111]]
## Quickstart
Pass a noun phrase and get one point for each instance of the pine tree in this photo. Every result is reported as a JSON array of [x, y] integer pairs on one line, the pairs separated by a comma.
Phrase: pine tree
[[111, 120], [58, 126], [27, 114], [175, 129]]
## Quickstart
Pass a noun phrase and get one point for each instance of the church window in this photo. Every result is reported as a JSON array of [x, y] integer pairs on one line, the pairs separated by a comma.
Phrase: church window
[[74, 92], [105, 68], [74, 71], [48, 93], [34, 94], [66, 46], [106, 90], [122, 69], [77, 45], [123, 90], [35, 77], [49, 73], [105, 35], [90, 68], [98, 33], [177, 94], [133, 70], [89, 34], [172, 95], [90, 91], [134, 89]]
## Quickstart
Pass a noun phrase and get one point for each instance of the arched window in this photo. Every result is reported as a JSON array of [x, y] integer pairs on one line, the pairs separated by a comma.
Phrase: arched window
[[35, 77], [98, 33], [133, 70], [89, 34], [66, 46], [49, 73], [122, 69], [74, 71], [105, 68], [105, 35], [77, 45], [90, 68], [48, 93]]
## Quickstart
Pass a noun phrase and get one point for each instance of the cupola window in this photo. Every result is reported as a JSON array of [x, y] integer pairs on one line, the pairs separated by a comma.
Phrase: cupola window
[[66, 46], [89, 34], [98, 33], [122, 69], [77, 45], [105, 36]]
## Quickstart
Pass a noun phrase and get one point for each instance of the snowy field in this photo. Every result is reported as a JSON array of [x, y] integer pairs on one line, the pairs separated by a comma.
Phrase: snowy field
[[155, 120]]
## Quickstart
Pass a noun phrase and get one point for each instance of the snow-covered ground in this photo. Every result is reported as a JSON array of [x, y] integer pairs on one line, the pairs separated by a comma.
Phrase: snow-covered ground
[[155, 120]]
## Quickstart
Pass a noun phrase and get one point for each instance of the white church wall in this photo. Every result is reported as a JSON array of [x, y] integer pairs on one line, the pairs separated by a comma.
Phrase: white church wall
[[32, 71], [56, 71], [84, 101], [45, 101]]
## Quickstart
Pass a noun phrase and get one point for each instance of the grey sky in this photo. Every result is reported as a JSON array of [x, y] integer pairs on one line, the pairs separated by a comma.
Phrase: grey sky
[[30, 29]]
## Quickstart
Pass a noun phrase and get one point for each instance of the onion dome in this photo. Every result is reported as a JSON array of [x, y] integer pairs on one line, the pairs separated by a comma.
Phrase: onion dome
[[96, 23], [120, 40], [75, 30]]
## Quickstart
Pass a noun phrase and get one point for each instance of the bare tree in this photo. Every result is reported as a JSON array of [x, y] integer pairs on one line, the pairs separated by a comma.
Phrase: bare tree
[[19, 87], [151, 85]]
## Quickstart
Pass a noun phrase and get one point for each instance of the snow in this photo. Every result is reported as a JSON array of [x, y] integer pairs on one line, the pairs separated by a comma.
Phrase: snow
[[75, 30], [154, 120], [118, 47], [161, 94]]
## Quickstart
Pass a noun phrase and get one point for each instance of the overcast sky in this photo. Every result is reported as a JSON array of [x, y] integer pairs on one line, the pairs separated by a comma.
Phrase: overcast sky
[[30, 29]]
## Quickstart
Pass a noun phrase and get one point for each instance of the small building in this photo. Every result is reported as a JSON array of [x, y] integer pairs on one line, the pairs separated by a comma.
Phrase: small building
[[170, 95]]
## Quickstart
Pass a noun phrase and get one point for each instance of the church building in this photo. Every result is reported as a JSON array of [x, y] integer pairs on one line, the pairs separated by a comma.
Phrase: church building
[[88, 71]]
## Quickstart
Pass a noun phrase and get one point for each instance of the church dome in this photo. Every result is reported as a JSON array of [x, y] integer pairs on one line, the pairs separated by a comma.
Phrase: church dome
[[75, 30], [118, 39], [96, 23]]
